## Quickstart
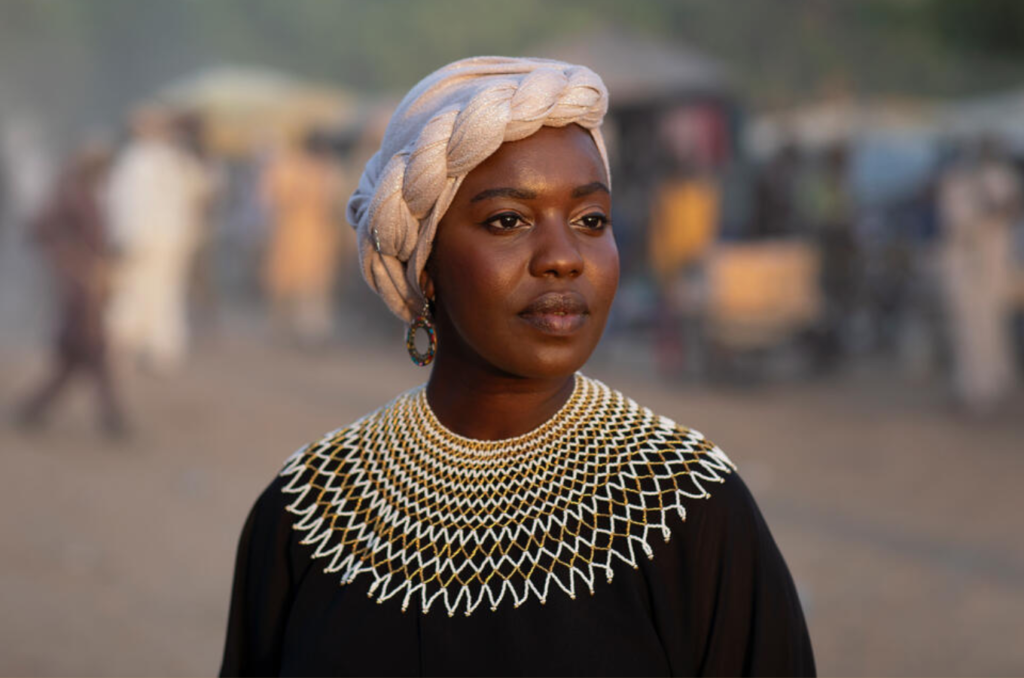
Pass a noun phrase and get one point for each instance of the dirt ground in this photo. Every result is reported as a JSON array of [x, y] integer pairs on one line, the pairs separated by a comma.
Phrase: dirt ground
[[900, 520]]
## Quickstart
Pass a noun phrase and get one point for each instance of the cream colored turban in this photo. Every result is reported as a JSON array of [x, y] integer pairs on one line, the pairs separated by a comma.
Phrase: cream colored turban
[[445, 126]]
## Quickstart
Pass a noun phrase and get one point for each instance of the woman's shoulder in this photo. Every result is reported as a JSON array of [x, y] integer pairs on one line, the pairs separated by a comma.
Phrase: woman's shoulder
[[291, 505], [674, 472], [647, 438], [330, 454]]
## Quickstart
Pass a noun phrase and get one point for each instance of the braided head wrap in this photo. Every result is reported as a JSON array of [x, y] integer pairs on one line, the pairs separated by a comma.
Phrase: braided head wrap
[[444, 127]]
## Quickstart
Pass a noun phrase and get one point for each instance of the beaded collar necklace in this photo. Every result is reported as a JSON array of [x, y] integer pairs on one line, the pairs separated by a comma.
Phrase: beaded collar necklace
[[434, 517], [539, 439]]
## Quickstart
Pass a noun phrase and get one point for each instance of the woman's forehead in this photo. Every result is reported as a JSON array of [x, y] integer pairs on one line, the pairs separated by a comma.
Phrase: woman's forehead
[[565, 156]]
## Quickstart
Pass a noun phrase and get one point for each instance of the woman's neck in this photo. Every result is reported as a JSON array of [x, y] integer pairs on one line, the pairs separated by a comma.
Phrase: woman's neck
[[485, 404]]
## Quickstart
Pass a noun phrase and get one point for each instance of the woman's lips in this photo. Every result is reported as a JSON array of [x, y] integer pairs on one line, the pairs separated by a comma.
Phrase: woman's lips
[[559, 313]]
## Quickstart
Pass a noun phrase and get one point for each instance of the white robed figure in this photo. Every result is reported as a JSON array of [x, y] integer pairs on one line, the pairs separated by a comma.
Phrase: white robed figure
[[980, 199], [157, 195]]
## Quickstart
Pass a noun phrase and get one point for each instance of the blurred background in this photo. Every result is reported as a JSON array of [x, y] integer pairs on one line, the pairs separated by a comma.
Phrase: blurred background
[[819, 211]]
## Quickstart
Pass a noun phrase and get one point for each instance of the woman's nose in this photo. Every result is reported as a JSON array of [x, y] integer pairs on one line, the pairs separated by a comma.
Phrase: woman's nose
[[556, 250]]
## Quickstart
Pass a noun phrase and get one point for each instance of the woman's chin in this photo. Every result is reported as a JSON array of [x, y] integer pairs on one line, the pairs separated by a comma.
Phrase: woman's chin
[[549, 362]]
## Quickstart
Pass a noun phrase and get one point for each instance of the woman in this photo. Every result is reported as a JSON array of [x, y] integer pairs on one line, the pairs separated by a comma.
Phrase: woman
[[511, 517]]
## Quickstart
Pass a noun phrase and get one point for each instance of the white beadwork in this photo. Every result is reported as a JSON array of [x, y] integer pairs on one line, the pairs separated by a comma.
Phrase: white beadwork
[[431, 515]]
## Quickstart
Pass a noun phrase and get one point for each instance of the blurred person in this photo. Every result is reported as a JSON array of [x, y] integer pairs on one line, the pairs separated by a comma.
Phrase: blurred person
[[71, 231], [518, 512], [684, 223], [190, 126], [245, 222], [158, 194], [776, 210], [30, 168], [5, 199], [980, 201], [828, 209], [301, 190]]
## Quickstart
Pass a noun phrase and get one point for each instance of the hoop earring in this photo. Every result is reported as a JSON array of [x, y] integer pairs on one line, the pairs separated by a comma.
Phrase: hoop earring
[[422, 321]]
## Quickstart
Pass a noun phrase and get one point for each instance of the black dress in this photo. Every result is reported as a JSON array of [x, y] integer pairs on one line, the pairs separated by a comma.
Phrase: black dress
[[714, 599]]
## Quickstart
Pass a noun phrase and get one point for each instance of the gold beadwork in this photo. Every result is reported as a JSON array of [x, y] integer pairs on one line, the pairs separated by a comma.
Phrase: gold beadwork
[[430, 514]]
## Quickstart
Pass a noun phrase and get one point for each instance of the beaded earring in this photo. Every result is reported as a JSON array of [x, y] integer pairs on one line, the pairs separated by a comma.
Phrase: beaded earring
[[422, 321]]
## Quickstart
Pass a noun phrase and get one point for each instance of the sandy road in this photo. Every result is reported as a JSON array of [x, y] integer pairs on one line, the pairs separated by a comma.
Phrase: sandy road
[[901, 522]]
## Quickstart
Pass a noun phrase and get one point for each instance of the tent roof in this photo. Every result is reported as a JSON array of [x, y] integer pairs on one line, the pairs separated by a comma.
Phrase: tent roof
[[639, 68], [243, 107], [247, 88]]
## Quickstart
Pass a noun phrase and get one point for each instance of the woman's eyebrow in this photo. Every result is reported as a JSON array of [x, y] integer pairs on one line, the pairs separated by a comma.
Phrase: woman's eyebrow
[[517, 193], [593, 187]]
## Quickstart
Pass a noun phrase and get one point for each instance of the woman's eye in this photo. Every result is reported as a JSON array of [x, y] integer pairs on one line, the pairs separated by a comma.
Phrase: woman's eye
[[505, 221], [594, 222]]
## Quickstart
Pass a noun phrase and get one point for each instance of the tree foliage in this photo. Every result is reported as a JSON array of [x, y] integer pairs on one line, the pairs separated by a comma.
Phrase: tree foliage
[[89, 59], [988, 27]]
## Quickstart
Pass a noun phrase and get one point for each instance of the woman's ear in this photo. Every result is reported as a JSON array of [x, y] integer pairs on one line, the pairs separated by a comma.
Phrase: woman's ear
[[427, 283]]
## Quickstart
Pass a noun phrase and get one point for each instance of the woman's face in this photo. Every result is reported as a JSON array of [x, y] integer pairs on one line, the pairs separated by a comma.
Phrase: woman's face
[[524, 265]]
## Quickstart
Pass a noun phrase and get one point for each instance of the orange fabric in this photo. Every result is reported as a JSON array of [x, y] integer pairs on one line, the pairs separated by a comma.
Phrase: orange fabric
[[684, 222], [304, 245]]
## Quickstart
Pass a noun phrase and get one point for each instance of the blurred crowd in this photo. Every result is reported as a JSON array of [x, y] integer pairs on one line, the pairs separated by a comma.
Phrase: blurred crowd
[[932, 277], [129, 238], [736, 265]]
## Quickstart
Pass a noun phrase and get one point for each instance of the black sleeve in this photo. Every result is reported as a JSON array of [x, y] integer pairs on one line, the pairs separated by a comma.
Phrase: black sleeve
[[261, 594], [728, 607]]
